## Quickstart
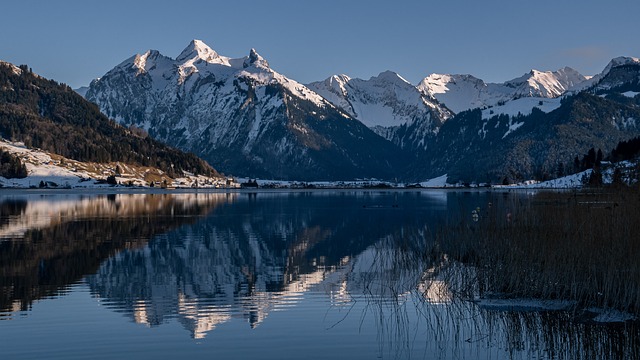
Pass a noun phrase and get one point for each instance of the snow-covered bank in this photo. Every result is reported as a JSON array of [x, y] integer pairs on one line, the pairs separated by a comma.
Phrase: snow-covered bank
[[626, 170], [47, 170]]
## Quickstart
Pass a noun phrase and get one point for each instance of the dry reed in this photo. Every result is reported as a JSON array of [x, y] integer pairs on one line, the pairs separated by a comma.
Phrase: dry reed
[[582, 246]]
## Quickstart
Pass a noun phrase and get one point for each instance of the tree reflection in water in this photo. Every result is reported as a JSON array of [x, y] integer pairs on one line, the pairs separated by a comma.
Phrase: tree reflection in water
[[49, 242]]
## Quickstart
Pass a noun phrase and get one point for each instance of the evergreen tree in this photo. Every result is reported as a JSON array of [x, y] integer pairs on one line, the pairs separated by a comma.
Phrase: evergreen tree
[[617, 180], [595, 180], [11, 166], [560, 170], [576, 165]]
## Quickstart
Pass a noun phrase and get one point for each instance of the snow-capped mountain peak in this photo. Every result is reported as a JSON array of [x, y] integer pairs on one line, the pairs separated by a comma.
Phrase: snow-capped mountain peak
[[240, 115], [621, 60], [459, 92], [337, 83], [198, 49], [256, 60], [439, 83], [570, 76], [388, 104], [391, 77], [150, 61], [615, 62], [546, 84], [342, 78]]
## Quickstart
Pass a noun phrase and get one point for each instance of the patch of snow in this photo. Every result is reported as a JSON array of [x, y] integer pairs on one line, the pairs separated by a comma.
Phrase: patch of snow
[[610, 315], [438, 182], [522, 106], [16, 70], [512, 127], [566, 182], [576, 181], [627, 123], [630, 94], [375, 114]]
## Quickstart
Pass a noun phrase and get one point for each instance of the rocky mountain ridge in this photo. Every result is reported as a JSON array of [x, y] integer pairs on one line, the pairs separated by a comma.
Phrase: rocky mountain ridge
[[249, 120], [466, 92], [241, 116]]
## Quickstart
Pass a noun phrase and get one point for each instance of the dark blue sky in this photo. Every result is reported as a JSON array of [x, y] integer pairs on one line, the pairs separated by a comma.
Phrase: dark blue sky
[[75, 41]]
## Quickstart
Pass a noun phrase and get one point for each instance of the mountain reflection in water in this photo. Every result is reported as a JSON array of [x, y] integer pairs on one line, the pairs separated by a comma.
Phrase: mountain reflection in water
[[247, 259], [207, 259]]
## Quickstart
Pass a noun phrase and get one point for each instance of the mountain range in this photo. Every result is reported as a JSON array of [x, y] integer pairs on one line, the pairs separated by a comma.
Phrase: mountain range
[[242, 117], [538, 137], [465, 92], [247, 119], [389, 105]]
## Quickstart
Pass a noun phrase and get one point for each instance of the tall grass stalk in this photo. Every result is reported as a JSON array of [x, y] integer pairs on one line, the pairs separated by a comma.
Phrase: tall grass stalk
[[582, 246]]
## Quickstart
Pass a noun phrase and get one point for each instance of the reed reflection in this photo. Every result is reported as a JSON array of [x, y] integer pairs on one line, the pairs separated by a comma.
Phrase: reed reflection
[[439, 303]]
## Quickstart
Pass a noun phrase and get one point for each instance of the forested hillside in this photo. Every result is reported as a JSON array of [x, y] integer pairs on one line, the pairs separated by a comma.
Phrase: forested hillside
[[51, 116]]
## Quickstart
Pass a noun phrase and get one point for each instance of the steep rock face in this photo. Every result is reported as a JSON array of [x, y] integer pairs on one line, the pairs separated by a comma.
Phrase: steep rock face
[[241, 116], [389, 105], [486, 146], [465, 92]]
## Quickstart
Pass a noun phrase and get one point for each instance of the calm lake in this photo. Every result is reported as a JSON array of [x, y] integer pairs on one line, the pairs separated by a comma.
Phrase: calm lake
[[257, 275]]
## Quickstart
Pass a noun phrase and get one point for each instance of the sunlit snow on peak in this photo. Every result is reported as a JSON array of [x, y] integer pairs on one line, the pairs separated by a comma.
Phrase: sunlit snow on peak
[[200, 50], [390, 76], [464, 92], [255, 59], [16, 70]]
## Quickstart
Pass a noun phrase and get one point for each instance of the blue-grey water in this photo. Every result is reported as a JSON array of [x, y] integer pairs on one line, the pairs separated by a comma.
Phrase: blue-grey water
[[256, 275]]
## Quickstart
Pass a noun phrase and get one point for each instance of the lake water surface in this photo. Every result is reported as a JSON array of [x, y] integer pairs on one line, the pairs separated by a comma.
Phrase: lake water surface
[[257, 275]]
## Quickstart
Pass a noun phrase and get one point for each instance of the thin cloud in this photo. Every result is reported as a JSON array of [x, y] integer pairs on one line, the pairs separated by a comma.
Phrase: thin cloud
[[586, 52]]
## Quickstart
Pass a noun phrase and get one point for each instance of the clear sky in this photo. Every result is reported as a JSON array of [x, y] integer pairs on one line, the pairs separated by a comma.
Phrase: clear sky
[[74, 41]]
